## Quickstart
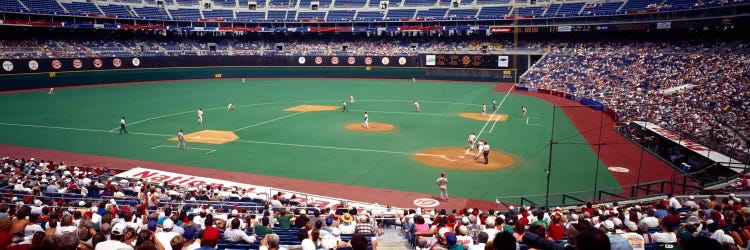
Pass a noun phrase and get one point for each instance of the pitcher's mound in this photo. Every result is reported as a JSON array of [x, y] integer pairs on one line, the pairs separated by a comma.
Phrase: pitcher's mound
[[309, 108], [209, 137], [456, 158], [373, 127], [485, 117]]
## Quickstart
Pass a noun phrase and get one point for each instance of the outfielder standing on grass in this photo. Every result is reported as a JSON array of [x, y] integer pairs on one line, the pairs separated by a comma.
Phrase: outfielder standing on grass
[[51, 91], [200, 116], [343, 107], [122, 126], [416, 105], [351, 99], [367, 118], [231, 106], [523, 112], [181, 141], [442, 183]]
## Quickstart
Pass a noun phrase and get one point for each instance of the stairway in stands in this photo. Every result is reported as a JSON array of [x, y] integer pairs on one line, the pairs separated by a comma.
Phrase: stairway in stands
[[393, 239]]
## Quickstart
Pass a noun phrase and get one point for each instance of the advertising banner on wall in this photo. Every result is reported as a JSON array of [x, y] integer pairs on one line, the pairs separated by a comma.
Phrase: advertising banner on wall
[[429, 60], [190, 181], [502, 61], [13, 66]]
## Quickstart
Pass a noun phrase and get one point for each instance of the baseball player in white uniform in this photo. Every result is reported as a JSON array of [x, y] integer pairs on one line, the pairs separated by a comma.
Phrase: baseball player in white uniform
[[494, 105], [243, 80], [416, 105], [413, 80], [523, 112], [231, 106], [484, 109], [442, 183], [472, 139], [181, 141], [122, 126], [480, 149], [351, 99], [343, 107], [367, 118], [200, 116], [51, 91]]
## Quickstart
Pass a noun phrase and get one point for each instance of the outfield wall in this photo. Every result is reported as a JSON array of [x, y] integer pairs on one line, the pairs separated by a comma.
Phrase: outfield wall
[[48, 72]]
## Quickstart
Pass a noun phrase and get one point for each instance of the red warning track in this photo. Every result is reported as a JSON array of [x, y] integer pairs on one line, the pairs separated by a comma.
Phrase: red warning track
[[619, 151]]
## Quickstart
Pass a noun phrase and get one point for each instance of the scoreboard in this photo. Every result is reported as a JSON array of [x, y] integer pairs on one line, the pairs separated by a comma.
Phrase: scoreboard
[[474, 61], [467, 61]]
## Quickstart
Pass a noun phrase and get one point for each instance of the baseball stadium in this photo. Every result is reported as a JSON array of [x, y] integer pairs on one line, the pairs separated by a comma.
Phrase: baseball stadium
[[363, 124]]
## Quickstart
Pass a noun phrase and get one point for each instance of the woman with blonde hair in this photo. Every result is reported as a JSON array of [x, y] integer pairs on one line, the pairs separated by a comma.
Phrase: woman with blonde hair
[[85, 231], [66, 225]]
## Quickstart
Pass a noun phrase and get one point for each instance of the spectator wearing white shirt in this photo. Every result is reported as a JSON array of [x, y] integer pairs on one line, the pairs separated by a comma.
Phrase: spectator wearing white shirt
[[166, 234], [115, 242], [690, 202], [673, 202], [490, 229], [483, 237], [235, 234]]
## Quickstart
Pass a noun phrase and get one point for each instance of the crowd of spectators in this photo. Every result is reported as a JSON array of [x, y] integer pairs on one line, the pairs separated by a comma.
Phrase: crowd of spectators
[[51, 205], [699, 90], [375, 46], [671, 223]]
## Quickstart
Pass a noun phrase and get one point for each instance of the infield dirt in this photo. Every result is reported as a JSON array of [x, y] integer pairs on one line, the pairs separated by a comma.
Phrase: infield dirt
[[372, 127], [209, 137], [312, 108], [485, 117], [457, 158]]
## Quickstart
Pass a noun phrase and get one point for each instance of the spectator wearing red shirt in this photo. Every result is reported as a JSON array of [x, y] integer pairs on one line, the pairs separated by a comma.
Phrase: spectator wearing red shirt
[[556, 231], [73, 187]]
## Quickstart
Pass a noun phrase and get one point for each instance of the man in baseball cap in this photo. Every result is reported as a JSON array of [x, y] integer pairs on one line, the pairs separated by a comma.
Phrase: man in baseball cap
[[115, 239], [166, 233], [210, 238]]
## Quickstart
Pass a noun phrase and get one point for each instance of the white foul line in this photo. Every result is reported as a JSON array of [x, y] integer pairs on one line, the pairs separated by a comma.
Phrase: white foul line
[[185, 112], [531, 124], [499, 106], [261, 123], [491, 116], [152, 118], [445, 157], [77, 129], [243, 141], [205, 149]]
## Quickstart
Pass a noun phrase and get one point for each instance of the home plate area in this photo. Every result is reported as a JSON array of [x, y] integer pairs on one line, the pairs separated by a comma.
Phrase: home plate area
[[209, 137]]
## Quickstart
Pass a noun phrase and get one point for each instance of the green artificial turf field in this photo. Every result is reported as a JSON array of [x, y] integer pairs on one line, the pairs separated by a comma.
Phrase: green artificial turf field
[[311, 145]]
